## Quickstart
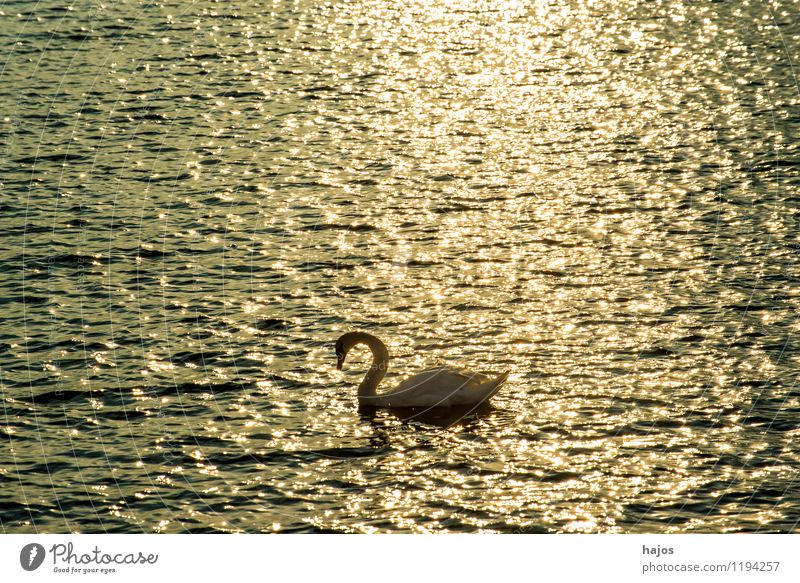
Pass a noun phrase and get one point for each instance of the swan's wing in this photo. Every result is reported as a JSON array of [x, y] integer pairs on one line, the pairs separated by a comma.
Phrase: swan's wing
[[443, 387]]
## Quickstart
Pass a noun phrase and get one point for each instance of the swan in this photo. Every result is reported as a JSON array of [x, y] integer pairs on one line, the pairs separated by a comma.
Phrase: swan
[[434, 387]]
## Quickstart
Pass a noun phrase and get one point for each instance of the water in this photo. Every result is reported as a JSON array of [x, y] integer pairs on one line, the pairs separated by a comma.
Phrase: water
[[198, 198]]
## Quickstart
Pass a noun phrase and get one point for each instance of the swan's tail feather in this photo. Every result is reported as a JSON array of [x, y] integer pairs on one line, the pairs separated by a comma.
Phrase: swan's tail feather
[[495, 386]]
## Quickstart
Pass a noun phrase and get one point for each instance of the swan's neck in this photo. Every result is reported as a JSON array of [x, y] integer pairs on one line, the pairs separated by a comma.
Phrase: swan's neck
[[376, 372]]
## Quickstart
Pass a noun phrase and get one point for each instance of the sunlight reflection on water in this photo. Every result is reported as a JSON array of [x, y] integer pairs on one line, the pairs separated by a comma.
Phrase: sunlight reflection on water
[[600, 197]]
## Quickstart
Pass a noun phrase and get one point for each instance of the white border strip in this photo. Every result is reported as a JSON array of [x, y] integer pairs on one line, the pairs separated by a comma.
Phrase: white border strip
[[400, 558]]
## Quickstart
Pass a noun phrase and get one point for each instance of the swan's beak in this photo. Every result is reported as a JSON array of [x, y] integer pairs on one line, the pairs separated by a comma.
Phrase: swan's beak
[[339, 363]]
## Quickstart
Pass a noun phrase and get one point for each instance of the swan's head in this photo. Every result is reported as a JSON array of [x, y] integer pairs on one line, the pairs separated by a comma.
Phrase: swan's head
[[341, 352], [344, 345], [347, 341]]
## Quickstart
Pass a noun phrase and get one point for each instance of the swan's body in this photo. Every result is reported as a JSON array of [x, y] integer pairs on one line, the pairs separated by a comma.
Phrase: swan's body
[[435, 387]]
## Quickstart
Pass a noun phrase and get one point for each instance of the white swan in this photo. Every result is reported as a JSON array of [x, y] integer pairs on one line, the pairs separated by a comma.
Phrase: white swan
[[435, 387]]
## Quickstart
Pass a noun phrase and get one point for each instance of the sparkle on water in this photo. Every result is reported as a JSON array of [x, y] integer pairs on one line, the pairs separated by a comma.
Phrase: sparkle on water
[[198, 198]]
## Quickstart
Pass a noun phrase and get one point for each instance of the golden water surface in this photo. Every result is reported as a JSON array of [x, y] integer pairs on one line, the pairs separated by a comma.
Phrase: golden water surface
[[197, 198]]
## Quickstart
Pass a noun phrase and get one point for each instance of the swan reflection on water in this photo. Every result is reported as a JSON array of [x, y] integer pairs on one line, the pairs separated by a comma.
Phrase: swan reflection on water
[[444, 417]]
